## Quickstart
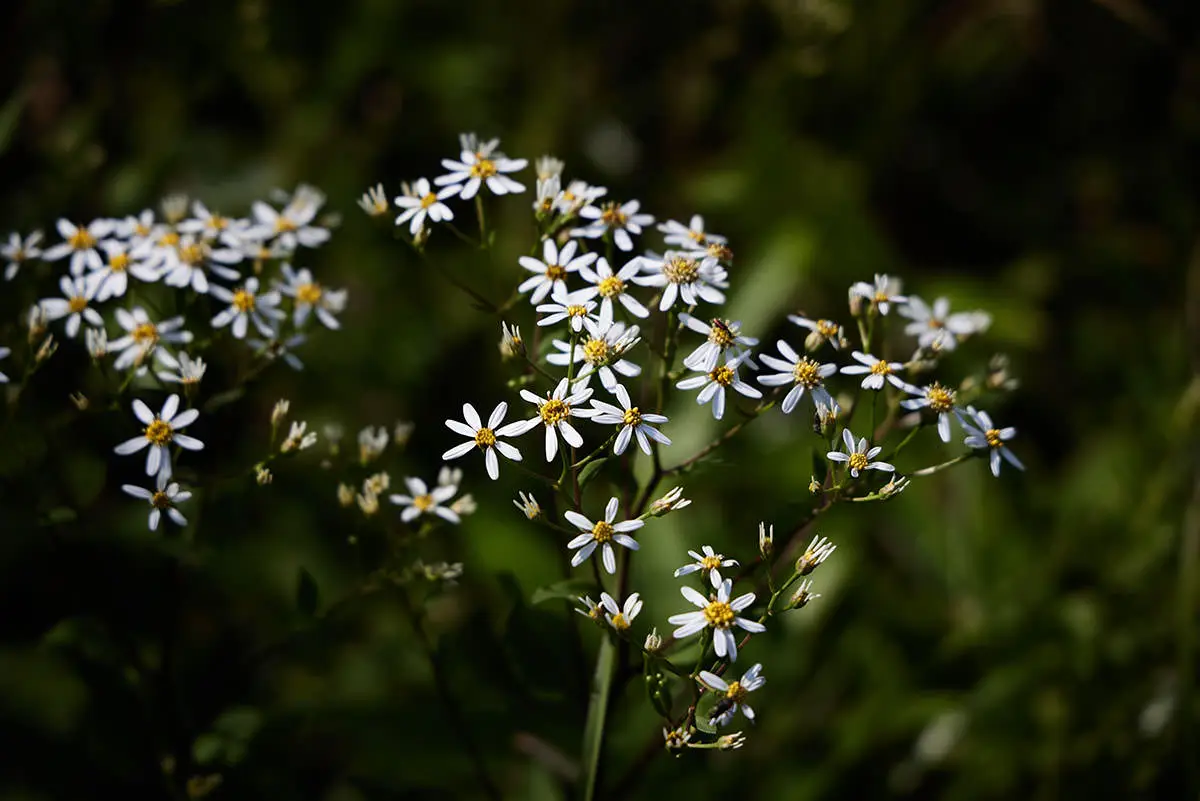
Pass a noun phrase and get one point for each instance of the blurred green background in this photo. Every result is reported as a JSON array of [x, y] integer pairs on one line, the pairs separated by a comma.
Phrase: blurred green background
[[1032, 636]]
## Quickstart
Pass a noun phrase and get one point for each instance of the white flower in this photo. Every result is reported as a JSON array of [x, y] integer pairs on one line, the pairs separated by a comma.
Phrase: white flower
[[618, 220], [189, 260], [546, 192], [74, 305], [96, 341], [572, 306], [449, 476], [548, 167], [374, 201], [552, 270], [476, 168], [112, 280], [724, 336], [822, 331], [511, 344], [620, 617], [275, 347], [142, 336], [981, 433], [183, 370], [371, 443], [857, 457], [420, 500], [691, 236], [247, 305], [800, 371], [555, 412], [709, 561], [712, 385], [719, 614], [81, 244], [602, 350], [609, 285], [935, 328], [162, 500], [735, 693], [591, 610], [577, 195], [632, 420], [686, 275], [292, 226], [17, 251], [876, 371], [818, 550], [299, 437], [213, 226], [311, 297], [673, 501], [4, 352], [938, 399], [160, 433], [137, 228], [601, 534], [486, 438], [528, 505], [424, 204], [885, 291]]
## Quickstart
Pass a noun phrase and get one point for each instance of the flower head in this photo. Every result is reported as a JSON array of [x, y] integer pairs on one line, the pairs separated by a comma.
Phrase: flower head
[[420, 500], [614, 219], [610, 286], [938, 399], [803, 373], [555, 412], [857, 457], [602, 534], [633, 422], [723, 337], [480, 168], [733, 693], [712, 385], [708, 563], [162, 499], [160, 433], [719, 614], [424, 204], [551, 271], [684, 275], [876, 370], [881, 294], [620, 617], [486, 438], [982, 433]]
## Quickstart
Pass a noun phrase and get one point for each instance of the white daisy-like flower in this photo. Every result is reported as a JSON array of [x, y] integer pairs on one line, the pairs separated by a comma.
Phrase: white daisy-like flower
[[546, 192], [551, 271], [294, 225], [981, 433], [673, 501], [620, 617], [555, 412], [803, 373], [474, 169], [374, 201], [685, 275], [163, 500], [633, 422], [822, 331], [74, 305], [601, 534], [818, 550], [160, 433], [246, 305], [876, 370], [4, 353], [724, 338], [182, 370], [591, 610], [213, 226], [884, 292], [528, 505], [936, 328], [143, 336], [857, 457], [617, 220], [424, 204], [577, 195], [602, 350], [707, 562], [571, 306], [311, 298], [191, 259], [719, 614], [712, 385], [136, 228], [112, 280], [734, 693], [691, 236], [16, 251], [420, 500], [609, 285], [82, 243], [938, 399], [486, 438]]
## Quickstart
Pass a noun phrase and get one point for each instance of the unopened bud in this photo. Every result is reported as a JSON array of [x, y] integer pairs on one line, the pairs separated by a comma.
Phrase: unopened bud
[[731, 742], [263, 476], [817, 552], [401, 432], [345, 495], [671, 502], [720, 252], [49, 346], [894, 487], [97, 342], [856, 301], [814, 486], [36, 322], [766, 540], [802, 595], [464, 506], [280, 412], [368, 503], [511, 344], [80, 400], [653, 641]]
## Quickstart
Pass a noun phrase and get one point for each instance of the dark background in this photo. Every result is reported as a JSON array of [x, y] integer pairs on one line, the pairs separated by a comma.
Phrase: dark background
[[976, 639]]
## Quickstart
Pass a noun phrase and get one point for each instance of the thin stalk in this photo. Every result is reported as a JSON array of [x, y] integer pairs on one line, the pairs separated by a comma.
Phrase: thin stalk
[[593, 732], [937, 468]]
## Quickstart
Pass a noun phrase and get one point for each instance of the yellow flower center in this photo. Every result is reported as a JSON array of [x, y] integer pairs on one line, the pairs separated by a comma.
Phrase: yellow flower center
[[736, 692], [82, 239], [993, 438], [284, 225], [169, 239], [711, 562], [596, 612], [881, 296], [827, 328], [680, 270], [602, 532], [881, 368], [941, 399], [697, 237], [719, 614], [141, 230], [423, 503], [619, 622], [721, 333], [611, 287], [159, 432], [191, 253], [554, 411], [308, 293], [77, 304], [632, 417], [118, 262], [613, 217], [858, 461], [595, 351], [722, 375], [556, 272], [218, 223], [160, 500], [243, 300], [807, 373], [483, 169], [576, 311], [428, 200], [485, 438], [146, 333]]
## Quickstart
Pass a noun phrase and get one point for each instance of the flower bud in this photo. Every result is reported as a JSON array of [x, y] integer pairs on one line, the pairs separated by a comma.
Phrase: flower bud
[[464, 505], [97, 343], [817, 552], [36, 322], [731, 742], [79, 400], [511, 344], [653, 641], [802, 595], [766, 540], [280, 412], [528, 505], [49, 346], [345, 495], [263, 476], [671, 502]]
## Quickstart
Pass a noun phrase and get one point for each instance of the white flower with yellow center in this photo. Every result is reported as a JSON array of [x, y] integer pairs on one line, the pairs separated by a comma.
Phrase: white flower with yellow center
[[633, 421], [936, 328], [620, 617], [691, 236], [684, 275], [822, 331], [160, 433], [733, 694], [877, 371], [420, 500], [555, 412], [276, 346], [246, 305], [881, 294], [486, 438], [16, 251], [374, 201], [475, 169], [190, 260], [112, 280], [615, 220], [805, 375], [143, 337], [551, 271], [136, 228], [311, 297], [938, 399], [423, 204], [719, 614], [574, 307], [982, 434], [546, 191], [293, 226], [708, 563], [577, 195], [724, 338], [212, 226], [75, 305], [601, 534], [82, 244], [4, 353], [712, 385], [528, 505], [602, 351], [162, 499], [857, 457], [609, 286], [182, 370]]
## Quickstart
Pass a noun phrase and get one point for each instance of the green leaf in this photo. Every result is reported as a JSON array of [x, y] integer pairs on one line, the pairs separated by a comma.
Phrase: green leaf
[[704, 708], [307, 594], [589, 470], [568, 590]]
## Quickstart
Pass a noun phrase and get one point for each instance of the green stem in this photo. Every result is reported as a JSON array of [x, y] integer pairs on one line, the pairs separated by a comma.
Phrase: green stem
[[593, 733], [937, 468], [483, 240]]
